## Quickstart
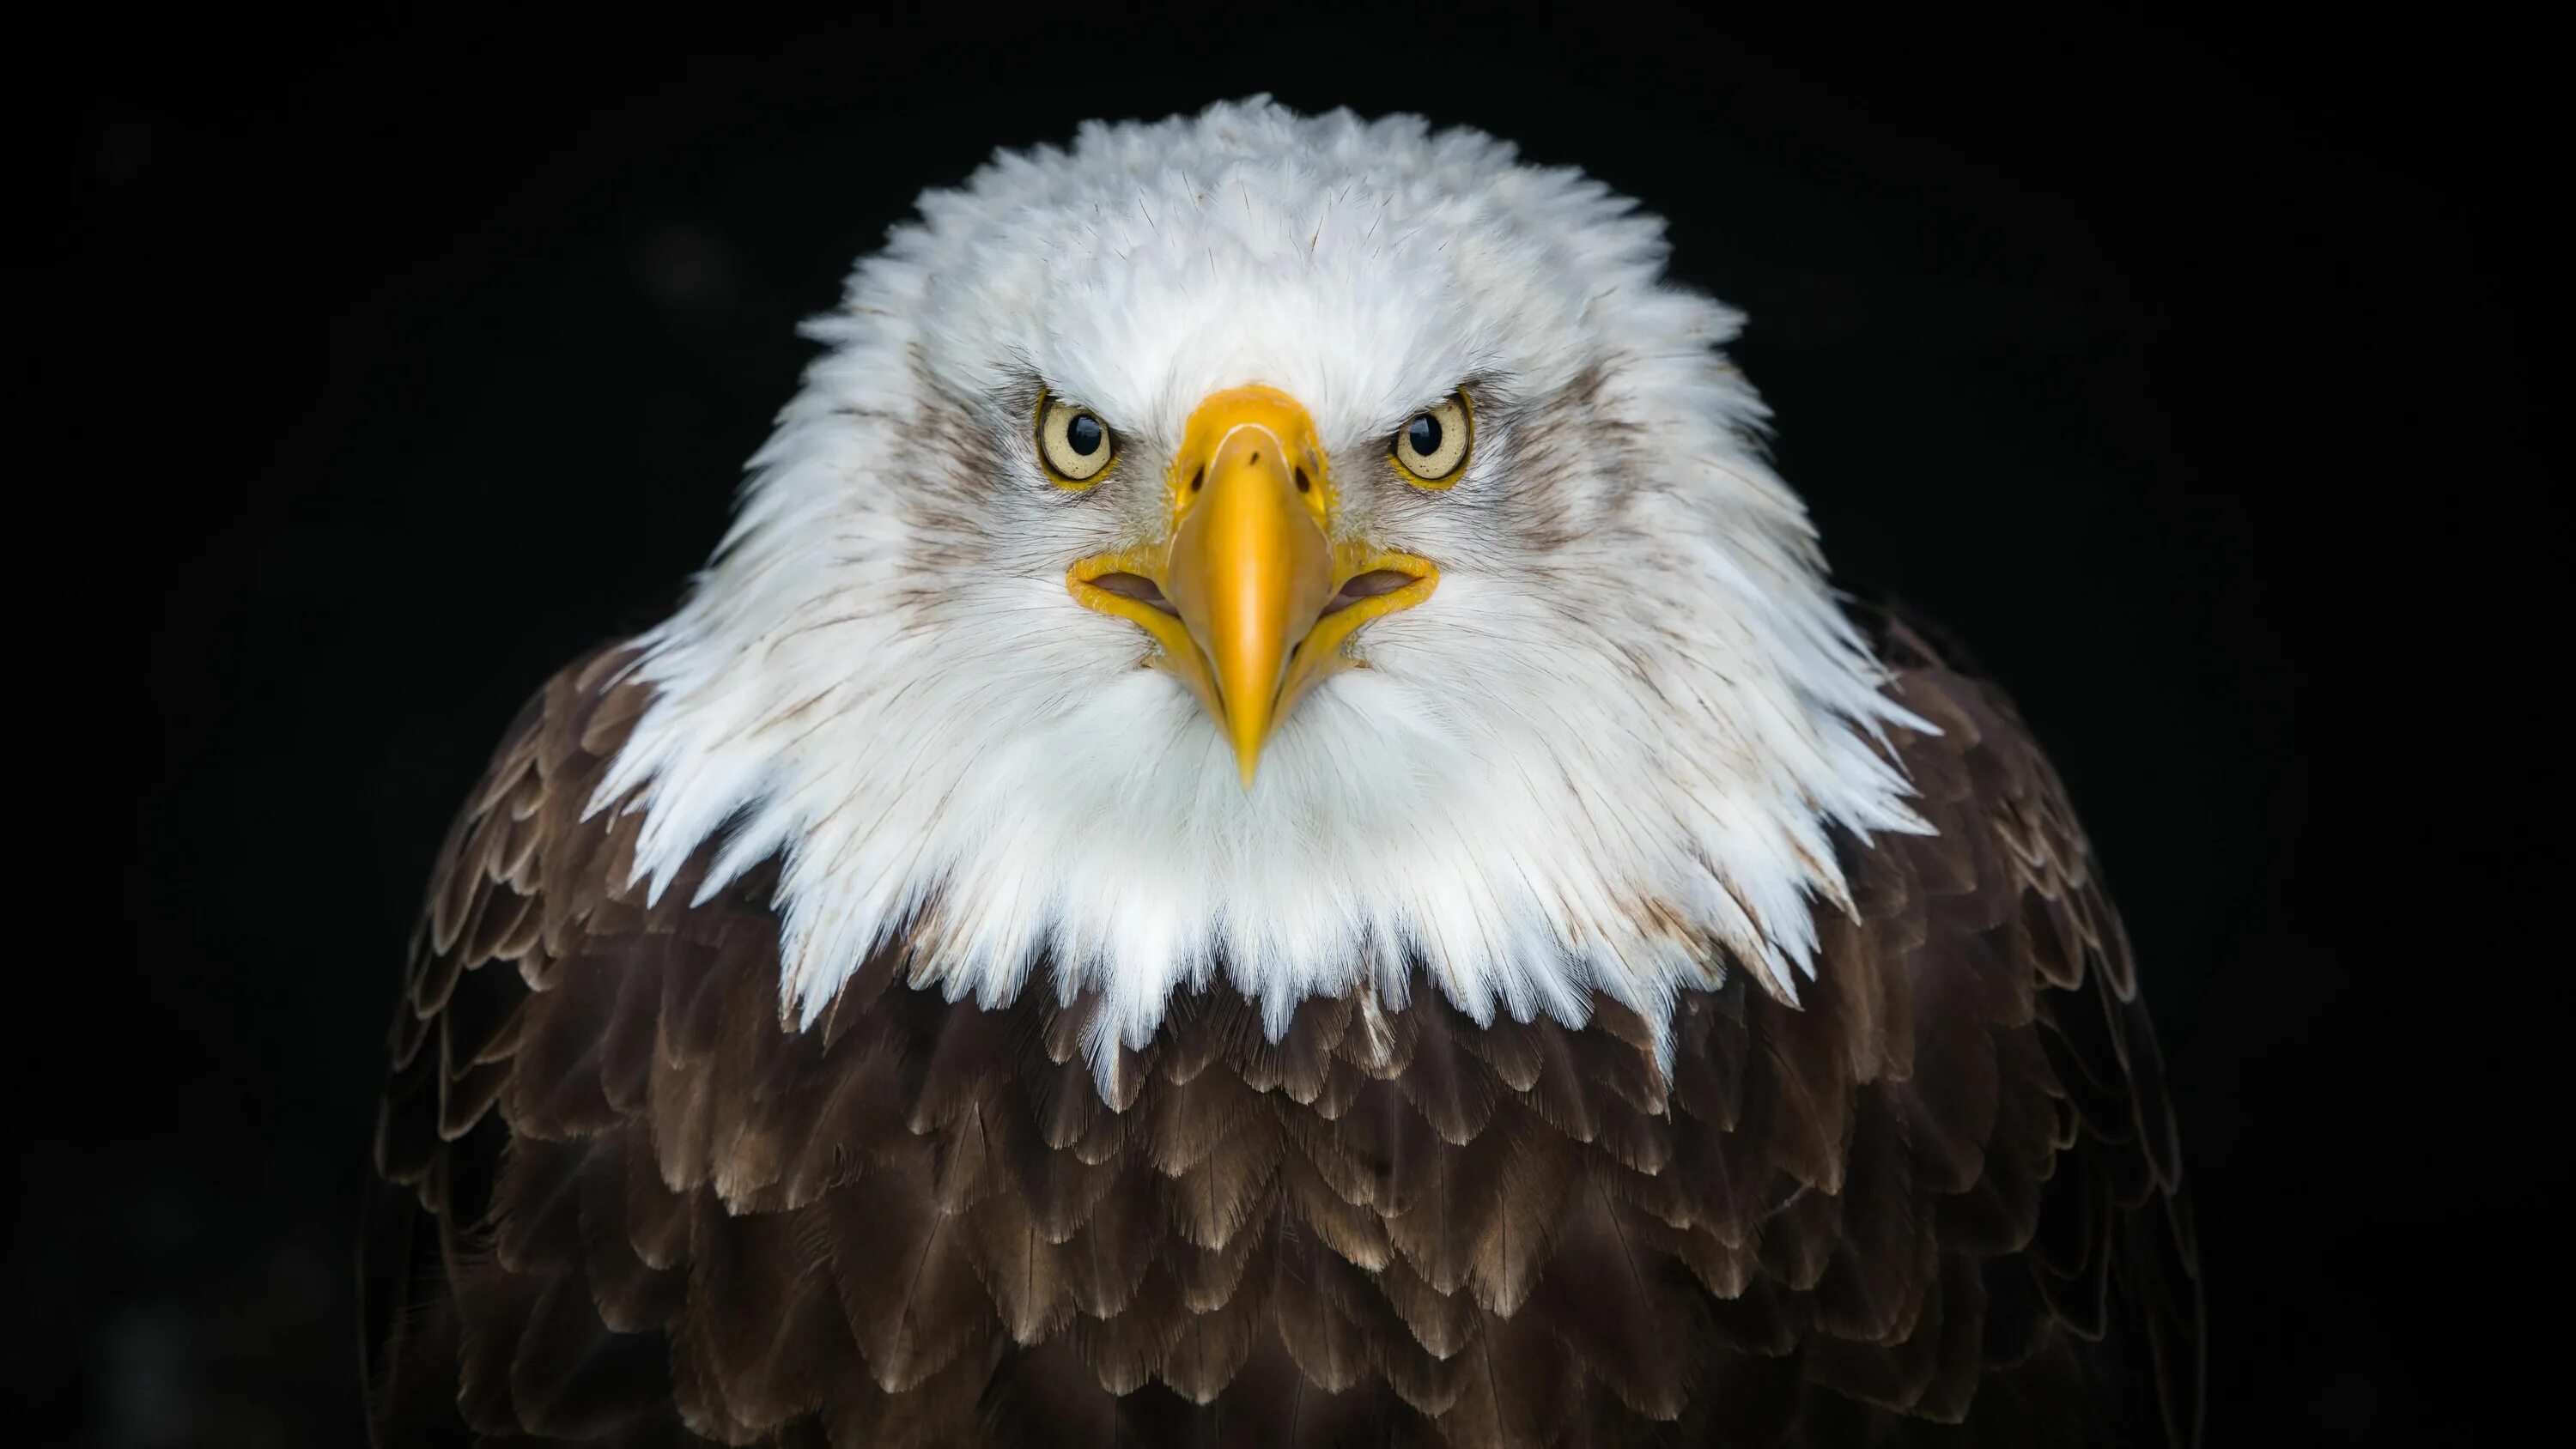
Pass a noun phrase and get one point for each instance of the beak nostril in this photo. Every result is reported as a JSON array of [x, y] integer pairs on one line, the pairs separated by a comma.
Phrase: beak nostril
[[1304, 483], [1198, 480]]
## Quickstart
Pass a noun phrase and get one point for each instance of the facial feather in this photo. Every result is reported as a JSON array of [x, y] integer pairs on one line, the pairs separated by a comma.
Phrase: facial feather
[[1601, 758]]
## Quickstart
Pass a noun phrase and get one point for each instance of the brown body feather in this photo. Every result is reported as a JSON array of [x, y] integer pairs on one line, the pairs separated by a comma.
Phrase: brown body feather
[[620, 1203]]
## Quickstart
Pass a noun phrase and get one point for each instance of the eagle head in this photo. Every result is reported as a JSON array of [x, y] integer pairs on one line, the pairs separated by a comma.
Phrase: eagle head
[[1310, 550]]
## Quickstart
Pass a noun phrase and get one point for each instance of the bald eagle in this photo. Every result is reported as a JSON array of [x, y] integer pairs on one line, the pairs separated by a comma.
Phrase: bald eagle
[[1265, 831]]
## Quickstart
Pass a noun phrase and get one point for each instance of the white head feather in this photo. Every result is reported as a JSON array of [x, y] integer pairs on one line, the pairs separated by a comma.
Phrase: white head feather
[[1604, 756]]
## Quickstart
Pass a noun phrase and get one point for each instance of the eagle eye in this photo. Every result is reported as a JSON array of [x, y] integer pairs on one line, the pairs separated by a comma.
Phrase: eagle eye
[[1073, 442], [1431, 448]]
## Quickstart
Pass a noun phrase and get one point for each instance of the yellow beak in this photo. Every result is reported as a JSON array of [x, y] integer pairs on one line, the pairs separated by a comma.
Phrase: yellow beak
[[1251, 570], [1247, 592]]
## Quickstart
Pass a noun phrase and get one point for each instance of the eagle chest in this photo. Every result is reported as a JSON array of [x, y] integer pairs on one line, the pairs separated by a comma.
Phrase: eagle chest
[[624, 1201]]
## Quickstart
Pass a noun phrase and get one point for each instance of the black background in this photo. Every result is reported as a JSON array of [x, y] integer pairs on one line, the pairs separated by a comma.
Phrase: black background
[[404, 361]]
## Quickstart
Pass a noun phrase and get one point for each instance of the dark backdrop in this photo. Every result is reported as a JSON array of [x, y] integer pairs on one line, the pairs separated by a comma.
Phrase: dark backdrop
[[404, 360]]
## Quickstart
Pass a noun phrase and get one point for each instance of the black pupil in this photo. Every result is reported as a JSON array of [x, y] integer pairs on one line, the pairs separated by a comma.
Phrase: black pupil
[[1422, 435], [1085, 435]]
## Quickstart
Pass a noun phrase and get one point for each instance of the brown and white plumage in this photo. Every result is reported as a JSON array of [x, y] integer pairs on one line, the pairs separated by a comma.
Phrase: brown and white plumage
[[648, 1179], [622, 1199]]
